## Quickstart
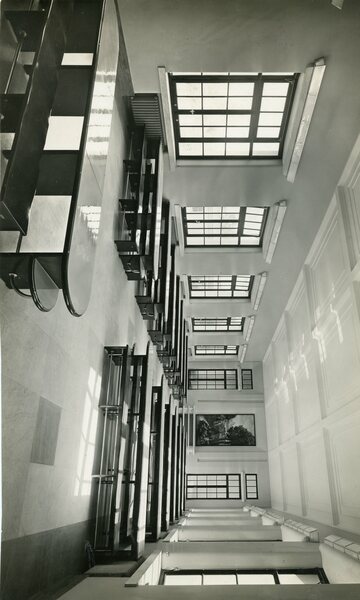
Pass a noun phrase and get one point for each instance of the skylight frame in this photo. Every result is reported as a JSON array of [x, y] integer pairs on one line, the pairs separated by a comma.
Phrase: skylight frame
[[228, 152], [217, 324], [220, 287], [224, 226], [216, 350]]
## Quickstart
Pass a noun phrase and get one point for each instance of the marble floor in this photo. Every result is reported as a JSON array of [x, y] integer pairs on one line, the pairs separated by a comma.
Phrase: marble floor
[[51, 379]]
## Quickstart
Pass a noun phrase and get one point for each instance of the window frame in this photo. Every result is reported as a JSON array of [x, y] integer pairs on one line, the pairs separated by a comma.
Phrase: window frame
[[213, 279], [258, 79], [227, 373], [207, 486], [225, 329], [240, 224]]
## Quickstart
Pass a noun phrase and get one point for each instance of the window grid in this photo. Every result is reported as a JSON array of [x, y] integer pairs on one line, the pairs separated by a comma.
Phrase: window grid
[[213, 487], [251, 486], [212, 350], [243, 577], [220, 286], [246, 379], [218, 324], [214, 226], [213, 379], [227, 116]]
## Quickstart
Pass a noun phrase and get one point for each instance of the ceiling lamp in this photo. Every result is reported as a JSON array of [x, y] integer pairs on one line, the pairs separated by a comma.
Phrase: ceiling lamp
[[249, 327], [272, 231], [243, 352], [258, 289]]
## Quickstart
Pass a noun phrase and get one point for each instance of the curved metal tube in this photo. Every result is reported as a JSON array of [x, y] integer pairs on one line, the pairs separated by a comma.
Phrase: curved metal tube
[[12, 277]]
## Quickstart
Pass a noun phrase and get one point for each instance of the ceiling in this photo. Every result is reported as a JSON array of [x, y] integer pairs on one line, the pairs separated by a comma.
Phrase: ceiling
[[256, 36]]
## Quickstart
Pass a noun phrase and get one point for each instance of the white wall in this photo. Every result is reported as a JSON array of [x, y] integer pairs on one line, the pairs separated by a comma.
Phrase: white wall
[[247, 459], [312, 374]]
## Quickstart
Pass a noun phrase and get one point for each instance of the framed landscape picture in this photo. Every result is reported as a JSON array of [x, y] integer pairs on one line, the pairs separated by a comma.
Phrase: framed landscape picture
[[225, 430]]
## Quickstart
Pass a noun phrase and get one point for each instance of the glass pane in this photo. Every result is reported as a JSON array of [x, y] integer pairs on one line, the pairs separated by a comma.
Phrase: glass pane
[[255, 579], [238, 120], [214, 103], [190, 149], [270, 119], [241, 89], [215, 120], [237, 149], [272, 104], [188, 89], [265, 149], [238, 132], [191, 132], [270, 132], [218, 132], [214, 149], [298, 579], [275, 89], [193, 103], [182, 579], [219, 579], [215, 89], [190, 120], [240, 103]]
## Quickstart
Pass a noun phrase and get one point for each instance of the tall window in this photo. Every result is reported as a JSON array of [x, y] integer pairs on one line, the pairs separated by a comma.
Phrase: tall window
[[213, 379], [213, 487], [220, 286], [209, 350], [251, 486], [223, 225], [218, 324], [231, 115], [246, 379]]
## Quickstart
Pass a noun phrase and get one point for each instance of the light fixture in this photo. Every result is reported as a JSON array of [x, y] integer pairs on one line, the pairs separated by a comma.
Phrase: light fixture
[[243, 352], [249, 327], [312, 81], [272, 231], [259, 291], [338, 3]]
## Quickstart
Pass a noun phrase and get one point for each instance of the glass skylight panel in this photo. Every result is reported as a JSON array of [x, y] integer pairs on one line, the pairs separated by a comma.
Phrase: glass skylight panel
[[220, 286], [224, 225], [212, 350], [230, 113]]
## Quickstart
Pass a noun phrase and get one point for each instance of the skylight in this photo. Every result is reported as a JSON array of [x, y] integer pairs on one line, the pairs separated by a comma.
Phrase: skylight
[[220, 286], [231, 115], [212, 350], [218, 324], [223, 225]]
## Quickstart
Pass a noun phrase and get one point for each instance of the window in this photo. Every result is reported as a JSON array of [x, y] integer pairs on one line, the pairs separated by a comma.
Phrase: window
[[251, 486], [220, 286], [208, 350], [223, 225], [231, 115], [213, 487], [249, 577], [246, 379], [213, 379], [218, 324]]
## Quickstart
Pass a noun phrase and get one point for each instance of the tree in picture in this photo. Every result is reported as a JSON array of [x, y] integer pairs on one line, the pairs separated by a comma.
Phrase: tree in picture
[[225, 430]]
